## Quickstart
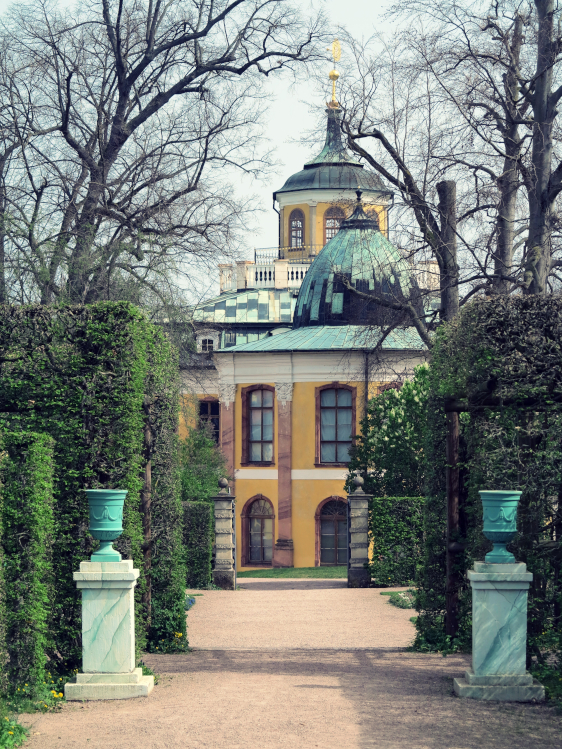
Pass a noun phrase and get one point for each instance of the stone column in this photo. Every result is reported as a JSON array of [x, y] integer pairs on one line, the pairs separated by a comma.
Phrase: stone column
[[499, 636], [358, 574], [108, 635], [312, 229], [283, 551], [224, 573]]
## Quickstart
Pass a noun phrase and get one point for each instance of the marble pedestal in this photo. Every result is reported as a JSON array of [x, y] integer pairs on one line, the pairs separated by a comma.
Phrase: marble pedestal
[[499, 636], [108, 635], [224, 573]]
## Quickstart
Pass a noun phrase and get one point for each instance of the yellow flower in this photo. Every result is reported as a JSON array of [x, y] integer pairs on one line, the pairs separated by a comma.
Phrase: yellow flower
[[11, 733], [61, 695], [6, 719]]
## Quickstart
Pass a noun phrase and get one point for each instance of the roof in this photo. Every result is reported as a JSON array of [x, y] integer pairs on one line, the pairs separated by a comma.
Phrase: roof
[[361, 255], [252, 306], [334, 168], [332, 338]]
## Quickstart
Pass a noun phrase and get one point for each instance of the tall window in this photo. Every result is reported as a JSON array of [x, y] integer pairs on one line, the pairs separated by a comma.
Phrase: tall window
[[333, 533], [332, 222], [336, 421], [257, 424], [209, 414], [296, 228], [260, 528], [207, 344]]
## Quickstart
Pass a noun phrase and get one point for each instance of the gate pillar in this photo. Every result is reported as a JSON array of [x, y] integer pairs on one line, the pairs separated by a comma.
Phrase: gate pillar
[[358, 573], [224, 572]]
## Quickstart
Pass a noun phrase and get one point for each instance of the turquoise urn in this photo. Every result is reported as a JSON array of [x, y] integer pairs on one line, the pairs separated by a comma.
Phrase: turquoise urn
[[106, 521], [500, 522]]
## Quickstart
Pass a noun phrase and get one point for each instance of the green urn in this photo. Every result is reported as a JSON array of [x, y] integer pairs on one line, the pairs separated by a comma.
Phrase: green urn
[[500, 522], [106, 521]]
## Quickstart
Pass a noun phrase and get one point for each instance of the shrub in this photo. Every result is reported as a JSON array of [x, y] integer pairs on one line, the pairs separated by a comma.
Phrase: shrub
[[27, 541], [198, 527], [99, 379], [395, 529]]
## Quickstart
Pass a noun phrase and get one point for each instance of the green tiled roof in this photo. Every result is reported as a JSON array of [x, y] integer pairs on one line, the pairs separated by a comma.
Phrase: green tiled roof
[[253, 306], [333, 338]]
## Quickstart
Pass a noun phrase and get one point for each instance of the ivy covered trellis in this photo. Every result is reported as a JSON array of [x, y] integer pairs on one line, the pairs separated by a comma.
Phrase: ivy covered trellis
[[497, 369]]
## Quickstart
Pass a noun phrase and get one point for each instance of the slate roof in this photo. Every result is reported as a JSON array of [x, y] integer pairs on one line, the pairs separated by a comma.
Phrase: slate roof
[[332, 338], [334, 167], [252, 306]]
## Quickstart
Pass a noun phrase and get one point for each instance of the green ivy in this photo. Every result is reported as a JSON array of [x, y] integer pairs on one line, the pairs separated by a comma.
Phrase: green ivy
[[198, 529], [94, 378], [395, 534], [27, 543], [509, 349]]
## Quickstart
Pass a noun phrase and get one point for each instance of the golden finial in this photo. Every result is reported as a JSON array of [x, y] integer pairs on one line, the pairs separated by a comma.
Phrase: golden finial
[[333, 75]]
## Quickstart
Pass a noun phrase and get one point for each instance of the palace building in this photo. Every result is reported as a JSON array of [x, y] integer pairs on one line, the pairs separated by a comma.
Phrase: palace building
[[289, 355]]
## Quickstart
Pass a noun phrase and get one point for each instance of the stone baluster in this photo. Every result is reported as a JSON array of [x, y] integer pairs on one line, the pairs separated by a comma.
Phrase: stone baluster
[[358, 574], [224, 573]]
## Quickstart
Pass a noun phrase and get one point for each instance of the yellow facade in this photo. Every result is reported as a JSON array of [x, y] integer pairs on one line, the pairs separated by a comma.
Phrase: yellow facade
[[307, 494], [316, 213]]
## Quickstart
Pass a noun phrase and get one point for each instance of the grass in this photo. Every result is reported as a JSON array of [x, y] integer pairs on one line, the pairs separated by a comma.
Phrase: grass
[[295, 572]]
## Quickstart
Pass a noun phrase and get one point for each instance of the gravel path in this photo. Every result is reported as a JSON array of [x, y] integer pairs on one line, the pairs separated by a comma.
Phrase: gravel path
[[299, 664]]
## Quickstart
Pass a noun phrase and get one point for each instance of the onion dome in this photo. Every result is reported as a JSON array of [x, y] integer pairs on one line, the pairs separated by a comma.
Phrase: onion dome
[[362, 255], [334, 168]]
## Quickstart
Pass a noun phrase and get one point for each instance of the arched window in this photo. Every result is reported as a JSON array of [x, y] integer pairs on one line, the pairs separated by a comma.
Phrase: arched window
[[296, 228], [257, 531], [335, 417], [332, 222], [331, 528], [207, 344]]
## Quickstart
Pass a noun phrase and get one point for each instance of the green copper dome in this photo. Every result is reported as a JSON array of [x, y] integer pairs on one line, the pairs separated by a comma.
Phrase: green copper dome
[[334, 168], [363, 256]]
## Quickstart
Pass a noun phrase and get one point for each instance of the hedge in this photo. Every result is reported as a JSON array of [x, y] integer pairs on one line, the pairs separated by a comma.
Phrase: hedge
[[99, 379], [502, 359], [27, 546], [198, 527], [395, 529]]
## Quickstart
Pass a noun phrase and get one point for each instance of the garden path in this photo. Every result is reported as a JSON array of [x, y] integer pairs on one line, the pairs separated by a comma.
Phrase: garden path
[[299, 664]]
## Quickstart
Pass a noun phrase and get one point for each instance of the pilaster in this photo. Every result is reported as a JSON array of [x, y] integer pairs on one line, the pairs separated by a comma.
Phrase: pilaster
[[283, 550]]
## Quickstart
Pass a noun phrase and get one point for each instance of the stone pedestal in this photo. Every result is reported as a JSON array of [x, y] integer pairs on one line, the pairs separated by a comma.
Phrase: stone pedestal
[[224, 573], [499, 636], [108, 634], [358, 574]]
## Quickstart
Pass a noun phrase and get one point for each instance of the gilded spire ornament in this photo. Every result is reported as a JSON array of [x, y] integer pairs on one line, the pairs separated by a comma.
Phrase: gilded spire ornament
[[333, 75]]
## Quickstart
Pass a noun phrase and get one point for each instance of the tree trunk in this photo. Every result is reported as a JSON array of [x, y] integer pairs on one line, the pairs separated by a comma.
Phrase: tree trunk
[[508, 183], [537, 261], [449, 279]]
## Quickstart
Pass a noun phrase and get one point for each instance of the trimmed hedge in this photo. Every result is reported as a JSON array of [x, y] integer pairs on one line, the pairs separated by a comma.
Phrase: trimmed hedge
[[27, 545], [97, 379], [198, 527], [396, 535]]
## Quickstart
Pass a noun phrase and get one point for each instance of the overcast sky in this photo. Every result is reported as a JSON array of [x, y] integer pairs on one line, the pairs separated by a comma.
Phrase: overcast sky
[[294, 110]]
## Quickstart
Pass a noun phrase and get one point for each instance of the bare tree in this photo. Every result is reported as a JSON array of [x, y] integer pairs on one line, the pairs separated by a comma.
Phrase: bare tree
[[141, 108]]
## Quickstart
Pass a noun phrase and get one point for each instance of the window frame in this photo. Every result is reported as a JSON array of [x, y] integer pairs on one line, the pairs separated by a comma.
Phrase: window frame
[[245, 519], [318, 528], [303, 218], [207, 341], [333, 386], [245, 458], [211, 399], [332, 209]]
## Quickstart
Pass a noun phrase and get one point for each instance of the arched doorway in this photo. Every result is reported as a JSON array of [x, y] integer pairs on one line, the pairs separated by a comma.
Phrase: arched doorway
[[257, 531], [331, 532]]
